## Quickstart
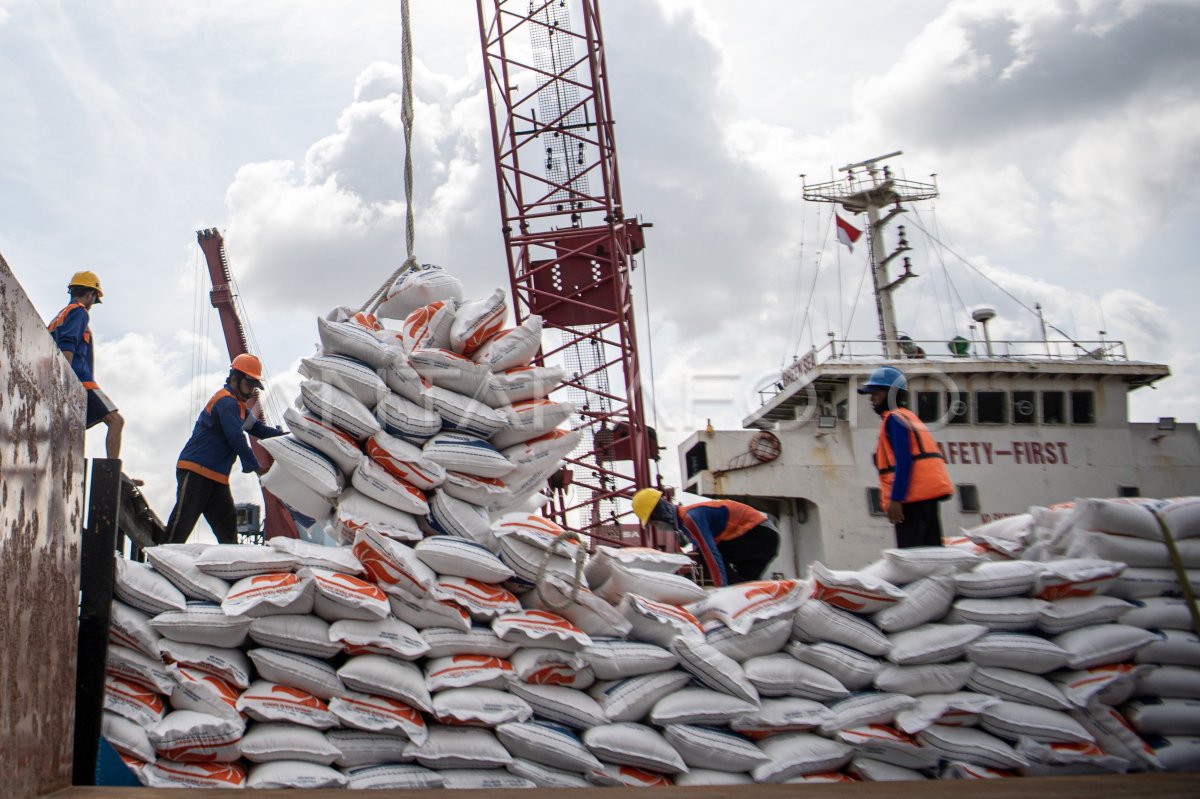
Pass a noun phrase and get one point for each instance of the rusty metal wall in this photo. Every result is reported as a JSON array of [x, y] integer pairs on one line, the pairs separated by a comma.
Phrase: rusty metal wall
[[41, 512]]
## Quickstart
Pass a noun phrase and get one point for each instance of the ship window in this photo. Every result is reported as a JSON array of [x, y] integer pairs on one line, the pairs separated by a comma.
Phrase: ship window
[[1054, 408], [929, 406], [1083, 407], [1128, 491], [875, 501], [968, 497], [991, 407], [697, 459], [1024, 409], [958, 405]]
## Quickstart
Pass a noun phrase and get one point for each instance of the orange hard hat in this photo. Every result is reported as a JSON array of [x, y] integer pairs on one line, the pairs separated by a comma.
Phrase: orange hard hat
[[248, 365]]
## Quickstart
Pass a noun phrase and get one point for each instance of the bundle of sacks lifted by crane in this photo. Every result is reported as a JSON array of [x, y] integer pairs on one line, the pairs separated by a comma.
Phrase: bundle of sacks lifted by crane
[[1021, 649]]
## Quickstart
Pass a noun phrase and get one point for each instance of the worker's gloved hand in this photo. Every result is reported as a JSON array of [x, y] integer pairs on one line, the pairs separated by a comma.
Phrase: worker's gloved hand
[[250, 421]]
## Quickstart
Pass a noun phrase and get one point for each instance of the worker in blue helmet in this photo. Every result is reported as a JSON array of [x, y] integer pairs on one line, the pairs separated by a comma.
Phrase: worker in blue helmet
[[911, 467]]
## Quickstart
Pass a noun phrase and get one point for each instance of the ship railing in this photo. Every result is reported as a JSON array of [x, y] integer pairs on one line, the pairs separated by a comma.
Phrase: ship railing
[[957, 350]]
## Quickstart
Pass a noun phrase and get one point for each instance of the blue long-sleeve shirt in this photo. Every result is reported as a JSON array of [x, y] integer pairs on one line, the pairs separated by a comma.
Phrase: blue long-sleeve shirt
[[219, 438], [72, 334], [900, 437]]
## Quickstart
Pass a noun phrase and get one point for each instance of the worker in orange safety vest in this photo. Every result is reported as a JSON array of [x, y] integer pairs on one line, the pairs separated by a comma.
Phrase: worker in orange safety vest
[[912, 469]]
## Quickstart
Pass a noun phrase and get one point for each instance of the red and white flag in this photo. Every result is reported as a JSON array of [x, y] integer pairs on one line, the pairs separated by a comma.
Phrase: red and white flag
[[847, 233]]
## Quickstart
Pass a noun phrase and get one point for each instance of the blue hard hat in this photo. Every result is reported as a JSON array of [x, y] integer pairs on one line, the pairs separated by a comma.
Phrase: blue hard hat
[[888, 377]]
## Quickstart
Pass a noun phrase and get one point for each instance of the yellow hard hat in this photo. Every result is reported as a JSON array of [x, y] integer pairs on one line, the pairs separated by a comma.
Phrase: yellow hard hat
[[88, 280], [644, 502]]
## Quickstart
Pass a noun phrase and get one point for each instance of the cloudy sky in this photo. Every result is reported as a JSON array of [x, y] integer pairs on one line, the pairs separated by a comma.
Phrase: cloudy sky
[[1065, 136]]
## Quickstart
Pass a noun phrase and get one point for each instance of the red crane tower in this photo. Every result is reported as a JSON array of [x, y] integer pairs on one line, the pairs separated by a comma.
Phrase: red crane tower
[[570, 243], [277, 519]]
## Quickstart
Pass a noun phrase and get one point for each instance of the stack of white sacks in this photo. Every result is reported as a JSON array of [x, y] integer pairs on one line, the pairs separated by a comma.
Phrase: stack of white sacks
[[453, 639]]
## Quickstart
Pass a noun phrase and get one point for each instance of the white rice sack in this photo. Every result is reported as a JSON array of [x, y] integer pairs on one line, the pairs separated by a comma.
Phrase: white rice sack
[[376, 482], [1140, 583], [1153, 613], [406, 419], [1110, 684], [615, 776], [425, 613], [445, 641], [1131, 551], [308, 554], [971, 746], [933, 643], [961, 708], [714, 670], [428, 327], [1164, 716], [673, 589], [300, 633], [868, 770], [1125, 516], [484, 601], [1178, 752], [466, 671], [297, 671], [544, 776], [395, 776], [1018, 686], [741, 606], [889, 745], [999, 579], [418, 287], [540, 628], [373, 713], [644, 558], [267, 594], [469, 454], [294, 774], [868, 707], [393, 566], [141, 587], [345, 597], [484, 779], [383, 676], [787, 714], [540, 532], [1009, 536], [201, 624], [332, 406], [353, 341], [401, 378], [348, 374], [177, 562], [1114, 735], [1076, 577], [917, 562], [165, 773], [460, 557], [1182, 516], [203, 692], [1064, 615], [131, 627], [405, 461], [134, 702], [543, 451], [927, 600], [126, 737], [631, 744], [1173, 648], [795, 754], [513, 347], [1008, 613], [479, 706], [765, 637], [540, 666], [529, 419], [268, 701], [229, 664], [356, 511], [961, 770], [632, 698], [235, 561], [575, 709], [694, 705], [1020, 651], [850, 667], [613, 659], [188, 735], [816, 621], [941, 678], [582, 608], [490, 493], [129, 664], [853, 591], [658, 622], [461, 414], [1102, 644], [454, 517], [783, 675], [1177, 682], [1015, 720], [292, 492], [449, 370], [1056, 755], [547, 743], [704, 776], [522, 383], [528, 561], [361, 748], [476, 321]]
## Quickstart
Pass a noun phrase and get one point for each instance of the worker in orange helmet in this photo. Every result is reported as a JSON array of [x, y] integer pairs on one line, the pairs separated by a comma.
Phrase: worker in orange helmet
[[219, 437], [73, 334], [912, 470], [735, 541]]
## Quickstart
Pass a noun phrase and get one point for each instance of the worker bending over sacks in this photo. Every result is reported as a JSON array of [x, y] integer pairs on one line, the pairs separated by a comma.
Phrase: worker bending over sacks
[[735, 540]]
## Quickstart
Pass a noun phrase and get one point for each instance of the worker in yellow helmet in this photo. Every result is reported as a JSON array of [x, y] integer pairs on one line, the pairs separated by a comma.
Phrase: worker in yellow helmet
[[72, 332], [219, 438], [736, 542]]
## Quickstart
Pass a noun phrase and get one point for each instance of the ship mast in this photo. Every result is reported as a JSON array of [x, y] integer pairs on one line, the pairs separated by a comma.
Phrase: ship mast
[[870, 188]]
